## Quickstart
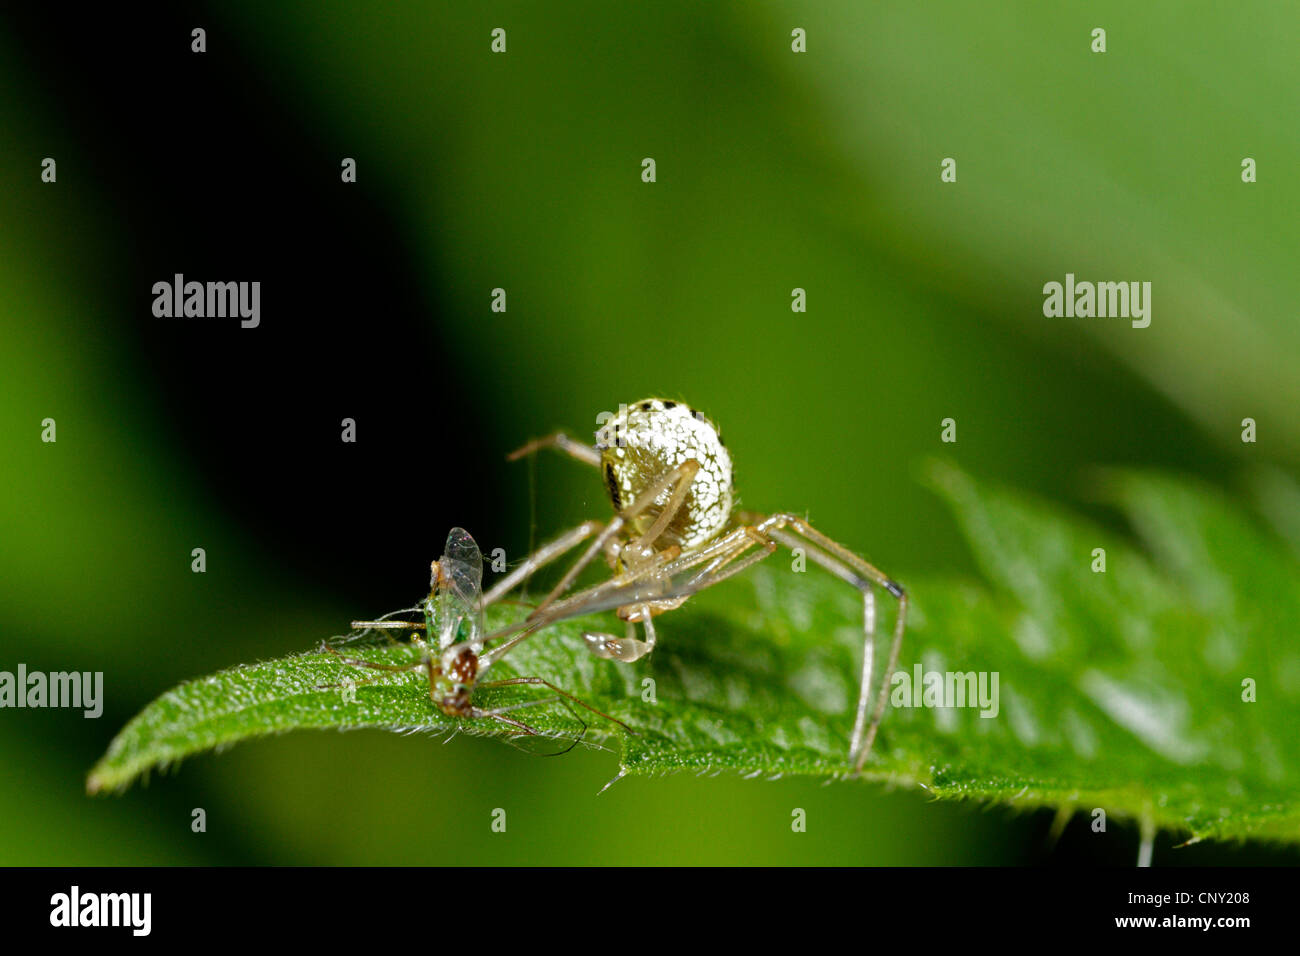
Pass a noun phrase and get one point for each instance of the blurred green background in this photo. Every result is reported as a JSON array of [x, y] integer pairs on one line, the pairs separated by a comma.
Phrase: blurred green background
[[775, 170]]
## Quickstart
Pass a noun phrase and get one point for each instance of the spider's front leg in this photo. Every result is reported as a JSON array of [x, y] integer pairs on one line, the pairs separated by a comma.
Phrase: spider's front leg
[[541, 557], [863, 575], [637, 555], [641, 561], [639, 552], [717, 559], [565, 542]]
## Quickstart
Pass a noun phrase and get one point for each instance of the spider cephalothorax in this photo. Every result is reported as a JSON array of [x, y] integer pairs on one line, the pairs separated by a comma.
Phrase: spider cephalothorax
[[645, 441]]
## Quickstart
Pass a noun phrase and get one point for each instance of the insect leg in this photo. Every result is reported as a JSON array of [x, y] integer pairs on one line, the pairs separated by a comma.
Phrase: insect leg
[[573, 741], [527, 731], [563, 693], [517, 724], [425, 663]]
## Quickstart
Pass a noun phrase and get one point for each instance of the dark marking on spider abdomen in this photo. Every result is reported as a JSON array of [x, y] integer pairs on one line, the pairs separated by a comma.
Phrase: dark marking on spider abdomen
[[611, 484]]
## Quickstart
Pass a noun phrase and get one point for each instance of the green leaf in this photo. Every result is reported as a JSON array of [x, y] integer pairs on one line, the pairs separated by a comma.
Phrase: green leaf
[[1119, 690]]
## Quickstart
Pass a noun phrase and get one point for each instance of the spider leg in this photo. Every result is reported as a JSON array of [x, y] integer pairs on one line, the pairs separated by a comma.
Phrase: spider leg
[[592, 597], [719, 555], [599, 593], [661, 571], [846, 565], [643, 546], [678, 478], [721, 567], [560, 442], [541, 557]]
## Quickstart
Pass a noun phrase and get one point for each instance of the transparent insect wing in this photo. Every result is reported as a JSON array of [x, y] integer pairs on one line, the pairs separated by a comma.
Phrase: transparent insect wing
[[460, 589], [462, 548]]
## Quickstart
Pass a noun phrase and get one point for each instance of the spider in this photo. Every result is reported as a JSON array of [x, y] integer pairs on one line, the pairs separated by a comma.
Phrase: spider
[[675, 532]]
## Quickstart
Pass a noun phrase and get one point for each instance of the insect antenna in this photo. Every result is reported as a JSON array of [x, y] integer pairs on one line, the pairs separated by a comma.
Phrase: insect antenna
[[356, 683], [373, 665], [383, 623]]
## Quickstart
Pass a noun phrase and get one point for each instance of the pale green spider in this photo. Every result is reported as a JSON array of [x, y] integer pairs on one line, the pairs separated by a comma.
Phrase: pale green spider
[[674, 533]]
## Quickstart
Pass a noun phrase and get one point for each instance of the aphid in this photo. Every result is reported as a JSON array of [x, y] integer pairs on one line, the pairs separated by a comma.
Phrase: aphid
[[674, 533], [454, 613], [457, 580]]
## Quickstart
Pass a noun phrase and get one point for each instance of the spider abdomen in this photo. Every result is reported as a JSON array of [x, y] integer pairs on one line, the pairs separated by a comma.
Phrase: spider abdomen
[[648, 439]]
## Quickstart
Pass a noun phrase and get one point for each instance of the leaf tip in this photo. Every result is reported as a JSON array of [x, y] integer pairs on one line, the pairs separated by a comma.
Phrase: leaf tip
[[104, 780], [94, 784]]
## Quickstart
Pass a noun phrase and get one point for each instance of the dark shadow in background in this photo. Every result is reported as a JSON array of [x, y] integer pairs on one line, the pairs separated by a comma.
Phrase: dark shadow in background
[[207, 171]]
